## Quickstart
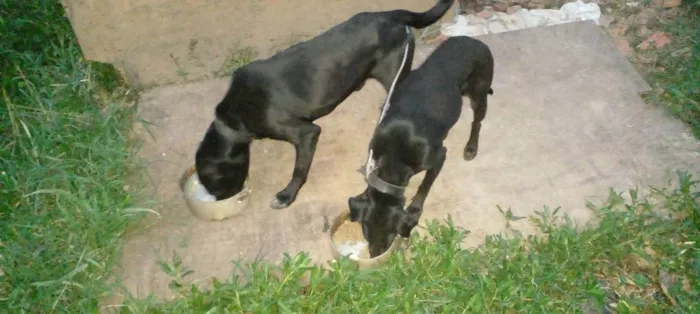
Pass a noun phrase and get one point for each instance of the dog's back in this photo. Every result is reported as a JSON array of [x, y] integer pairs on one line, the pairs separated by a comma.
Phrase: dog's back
[[428, 102], [312, 77], [460, 58], [431, 96]]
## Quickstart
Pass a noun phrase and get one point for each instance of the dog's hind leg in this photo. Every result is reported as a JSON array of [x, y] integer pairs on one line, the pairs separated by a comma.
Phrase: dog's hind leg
[[479, 105], [304, 136], [415, 209]]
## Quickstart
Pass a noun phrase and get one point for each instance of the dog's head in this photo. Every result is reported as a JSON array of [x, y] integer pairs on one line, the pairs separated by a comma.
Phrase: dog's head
[[222, 161], [382, 217]]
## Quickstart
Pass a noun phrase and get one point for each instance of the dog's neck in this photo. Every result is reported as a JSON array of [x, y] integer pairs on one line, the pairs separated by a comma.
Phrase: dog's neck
[[232, 133], [380, 185], [386, 178], [386, 199]]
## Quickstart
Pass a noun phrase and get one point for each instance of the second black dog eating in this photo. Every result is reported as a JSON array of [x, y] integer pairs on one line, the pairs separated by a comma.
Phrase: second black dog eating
[[409, 139]]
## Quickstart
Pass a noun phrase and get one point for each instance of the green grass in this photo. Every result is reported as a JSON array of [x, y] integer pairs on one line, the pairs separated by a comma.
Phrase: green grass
[[634, 258], [64, 157], [675, 75]]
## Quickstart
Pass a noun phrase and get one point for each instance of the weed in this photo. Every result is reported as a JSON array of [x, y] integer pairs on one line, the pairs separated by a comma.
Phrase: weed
[[675, 72], [633, 260], [181, 72], [237, 57]]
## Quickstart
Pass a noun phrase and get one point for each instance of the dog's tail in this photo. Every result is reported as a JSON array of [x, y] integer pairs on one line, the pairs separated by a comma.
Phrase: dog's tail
[[424, 19]]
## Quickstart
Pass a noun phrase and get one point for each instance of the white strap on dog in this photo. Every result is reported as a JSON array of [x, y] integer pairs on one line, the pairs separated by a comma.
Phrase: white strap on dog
[[371, 164]]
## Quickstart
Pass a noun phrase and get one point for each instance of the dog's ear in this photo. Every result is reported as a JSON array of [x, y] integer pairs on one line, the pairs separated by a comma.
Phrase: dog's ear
[[357, 205], [405, 223]]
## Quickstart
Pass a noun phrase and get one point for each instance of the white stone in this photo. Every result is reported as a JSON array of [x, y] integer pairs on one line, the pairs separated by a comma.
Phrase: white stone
[[496, 27], [465, 26], [472, 25], [475, 20], [499, 16], [529, 19], [512, 22], [551, 17], [579, 11]]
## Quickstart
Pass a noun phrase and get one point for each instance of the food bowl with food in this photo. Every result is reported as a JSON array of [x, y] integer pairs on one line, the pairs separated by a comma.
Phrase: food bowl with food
[[204, 205], [347, 240]]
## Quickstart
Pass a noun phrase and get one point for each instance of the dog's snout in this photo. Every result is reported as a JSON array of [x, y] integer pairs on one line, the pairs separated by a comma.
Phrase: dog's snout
[[376, 249], [354, 209]]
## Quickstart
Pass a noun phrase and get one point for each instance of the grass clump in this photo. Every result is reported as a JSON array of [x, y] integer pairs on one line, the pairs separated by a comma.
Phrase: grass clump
[[633, 260], [64, 157], [675, 73]]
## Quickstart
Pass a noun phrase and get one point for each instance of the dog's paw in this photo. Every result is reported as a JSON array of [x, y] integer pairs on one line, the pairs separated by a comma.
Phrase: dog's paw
[[469, 153], [280, 202]]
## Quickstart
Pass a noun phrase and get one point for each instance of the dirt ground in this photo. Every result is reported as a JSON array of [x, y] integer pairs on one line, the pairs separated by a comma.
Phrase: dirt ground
[[158, 42], [565, 124]]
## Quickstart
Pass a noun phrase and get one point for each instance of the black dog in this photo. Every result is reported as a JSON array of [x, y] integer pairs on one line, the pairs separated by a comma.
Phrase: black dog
[[280, 97], [409, 139]]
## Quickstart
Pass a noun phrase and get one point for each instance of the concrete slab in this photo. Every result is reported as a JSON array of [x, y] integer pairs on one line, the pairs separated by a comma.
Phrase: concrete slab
[[565, 124], [156, 42]]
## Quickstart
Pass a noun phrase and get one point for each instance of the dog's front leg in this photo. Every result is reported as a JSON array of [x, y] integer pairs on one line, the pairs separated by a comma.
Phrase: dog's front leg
[[304, 138], [415, 209]]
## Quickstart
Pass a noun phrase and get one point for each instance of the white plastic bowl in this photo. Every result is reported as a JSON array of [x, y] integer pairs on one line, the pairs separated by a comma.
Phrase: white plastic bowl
[[362, 263], [212, 210]]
